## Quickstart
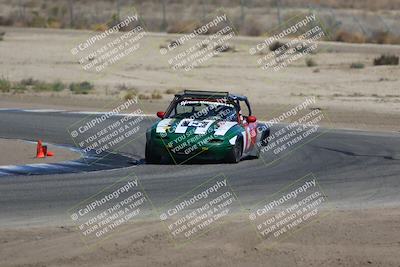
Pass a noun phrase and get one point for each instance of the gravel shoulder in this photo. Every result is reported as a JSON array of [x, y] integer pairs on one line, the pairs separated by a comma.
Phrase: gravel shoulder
[[18, 152], [342, 238]]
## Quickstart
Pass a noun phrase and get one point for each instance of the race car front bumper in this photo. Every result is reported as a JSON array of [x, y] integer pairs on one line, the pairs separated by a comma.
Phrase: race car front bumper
[[212, 150]]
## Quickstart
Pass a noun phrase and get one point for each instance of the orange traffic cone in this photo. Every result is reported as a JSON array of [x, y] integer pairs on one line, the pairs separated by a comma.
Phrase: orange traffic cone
[[50, 154], [39, 150]]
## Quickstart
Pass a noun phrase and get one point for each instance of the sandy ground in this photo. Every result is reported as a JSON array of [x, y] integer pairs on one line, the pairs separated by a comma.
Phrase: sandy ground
[[342, 238], [18, 152], [365, 98], [335, 84]]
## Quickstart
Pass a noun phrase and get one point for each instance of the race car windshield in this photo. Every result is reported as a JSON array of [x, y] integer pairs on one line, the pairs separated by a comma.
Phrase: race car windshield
[[198, 109]]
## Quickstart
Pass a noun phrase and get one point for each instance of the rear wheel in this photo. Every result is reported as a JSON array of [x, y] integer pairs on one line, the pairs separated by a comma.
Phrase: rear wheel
[[151, 157], [264, 136], [235, 154]]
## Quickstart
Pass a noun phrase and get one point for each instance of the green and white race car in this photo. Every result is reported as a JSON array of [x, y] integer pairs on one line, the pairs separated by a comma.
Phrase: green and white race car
[[205, 125]]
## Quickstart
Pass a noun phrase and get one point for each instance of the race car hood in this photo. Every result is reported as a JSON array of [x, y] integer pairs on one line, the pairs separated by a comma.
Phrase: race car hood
[[206, 126]]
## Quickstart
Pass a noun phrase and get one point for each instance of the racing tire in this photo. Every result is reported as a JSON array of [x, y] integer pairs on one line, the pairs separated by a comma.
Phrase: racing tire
[[255, 154], [262, 141], [265, 137], [235, 154], [151, 157]]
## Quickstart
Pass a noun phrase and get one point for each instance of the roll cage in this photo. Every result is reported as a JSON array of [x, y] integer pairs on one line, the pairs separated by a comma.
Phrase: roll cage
[[210, 96]]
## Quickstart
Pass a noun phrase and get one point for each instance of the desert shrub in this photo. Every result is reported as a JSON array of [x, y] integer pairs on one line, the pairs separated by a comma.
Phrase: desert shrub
[[310, 62], [5, 85], [171, 91], [347, 37], [156, 95], [386, 60], [57, 86], [29, 81], [38, 21], [143, 97], [130, 95], [19, 88], [170, 43], [381, 37], [225, 48], [41, 87], [83, 88], [300, 48], [54, 23], [100, 27], [130, 91], [48, 87], [276, 45], [357, 65], [203, 46], [113, 21], [174, 43]]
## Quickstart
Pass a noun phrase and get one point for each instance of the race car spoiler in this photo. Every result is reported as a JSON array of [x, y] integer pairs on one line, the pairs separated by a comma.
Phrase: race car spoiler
[[213, 94], [198, 93]]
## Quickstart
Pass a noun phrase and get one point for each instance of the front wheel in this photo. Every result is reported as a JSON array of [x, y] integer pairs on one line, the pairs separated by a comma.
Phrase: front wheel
[[150, 156], [235, 154]]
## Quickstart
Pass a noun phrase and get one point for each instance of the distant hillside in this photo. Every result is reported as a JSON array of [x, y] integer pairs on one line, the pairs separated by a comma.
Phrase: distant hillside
[[346, 20]]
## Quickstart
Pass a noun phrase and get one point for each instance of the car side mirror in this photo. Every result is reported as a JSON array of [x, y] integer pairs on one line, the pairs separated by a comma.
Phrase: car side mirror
[[161, 114], [251, 119]]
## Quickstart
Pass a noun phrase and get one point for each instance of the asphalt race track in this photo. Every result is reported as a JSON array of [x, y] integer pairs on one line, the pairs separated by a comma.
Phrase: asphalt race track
[[355, 169]]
